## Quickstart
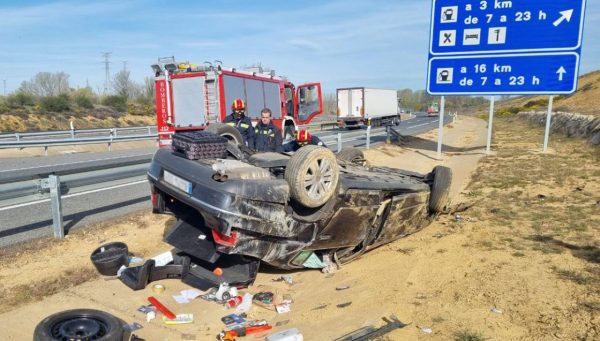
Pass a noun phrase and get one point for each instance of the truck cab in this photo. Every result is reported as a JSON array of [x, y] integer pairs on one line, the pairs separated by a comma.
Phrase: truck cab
[[191, 97]]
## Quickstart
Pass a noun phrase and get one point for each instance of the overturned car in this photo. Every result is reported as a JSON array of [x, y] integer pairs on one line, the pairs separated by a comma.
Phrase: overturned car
[[236, 209]]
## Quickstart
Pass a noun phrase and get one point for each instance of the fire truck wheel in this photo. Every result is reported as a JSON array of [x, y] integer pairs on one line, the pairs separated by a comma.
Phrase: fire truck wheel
[[312, 174], [231, 133]]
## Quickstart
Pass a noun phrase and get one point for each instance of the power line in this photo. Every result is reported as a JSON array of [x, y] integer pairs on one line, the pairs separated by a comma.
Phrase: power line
[[106, 56]]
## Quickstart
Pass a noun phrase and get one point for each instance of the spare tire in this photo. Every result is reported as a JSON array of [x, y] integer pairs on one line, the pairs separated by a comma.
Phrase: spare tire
[[312, 174], [79, 324], [231, 133], [440, 190], [352, 155]]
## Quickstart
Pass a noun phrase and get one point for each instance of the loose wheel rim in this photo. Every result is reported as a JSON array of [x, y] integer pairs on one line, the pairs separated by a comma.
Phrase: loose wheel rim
[[318, 178], [79, 328]]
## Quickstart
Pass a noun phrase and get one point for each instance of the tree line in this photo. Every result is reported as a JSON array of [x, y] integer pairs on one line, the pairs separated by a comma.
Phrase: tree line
[[52, 92]]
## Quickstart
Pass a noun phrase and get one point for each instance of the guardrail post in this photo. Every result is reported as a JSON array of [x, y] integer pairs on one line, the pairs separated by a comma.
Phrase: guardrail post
[[339, 142], [45, 150], [53, 183], [388, 138], [18, 137], [368, 136], [149, 132]]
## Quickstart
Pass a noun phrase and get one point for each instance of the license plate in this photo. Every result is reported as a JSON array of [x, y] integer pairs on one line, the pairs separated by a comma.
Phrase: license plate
[[178, 182]]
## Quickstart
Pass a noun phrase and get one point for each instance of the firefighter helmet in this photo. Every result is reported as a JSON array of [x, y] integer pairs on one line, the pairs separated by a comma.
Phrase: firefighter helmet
[[238, 104], [303, 136]]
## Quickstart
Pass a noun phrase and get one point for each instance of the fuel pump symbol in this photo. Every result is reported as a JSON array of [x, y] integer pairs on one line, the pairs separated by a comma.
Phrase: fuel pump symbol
[[449, 14]]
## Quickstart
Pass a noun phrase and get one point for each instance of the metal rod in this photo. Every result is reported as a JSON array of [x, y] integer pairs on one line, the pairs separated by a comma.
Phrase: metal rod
[[441, 128], [368, 136], [339, 142], [548, 120], [490, 123], [57, 223]]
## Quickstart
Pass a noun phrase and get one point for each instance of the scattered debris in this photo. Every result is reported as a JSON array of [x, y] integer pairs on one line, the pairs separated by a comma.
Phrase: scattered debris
[[233, 319], [132, 327], [136, 338], [225, 292], [230, 335], [342, 287], [234, 301], [135, 260], [371, 333], [323, 306], [458, 218], [179, 319], [288, 279], [158, 288], [245, 305], [344, 305], [282, 323], [160, 307], [496, 310], [151, 315], [286, 335], [145, 309], [265, 297], [426, 330], [541, 197]]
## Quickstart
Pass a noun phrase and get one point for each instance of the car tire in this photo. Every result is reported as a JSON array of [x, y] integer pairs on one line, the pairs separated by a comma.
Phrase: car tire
[[440, 190], [79, 324], [352, 155], [229, 132], [306, 163]]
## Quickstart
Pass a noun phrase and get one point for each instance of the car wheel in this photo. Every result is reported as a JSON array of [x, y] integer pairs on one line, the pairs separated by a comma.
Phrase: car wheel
[[231, 133], [312, 174], [352, 155], [79, 324], [440, 190]]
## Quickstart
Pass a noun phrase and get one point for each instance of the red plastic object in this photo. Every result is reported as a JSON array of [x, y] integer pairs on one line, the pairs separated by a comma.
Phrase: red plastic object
[[160, 307], [224, 240]]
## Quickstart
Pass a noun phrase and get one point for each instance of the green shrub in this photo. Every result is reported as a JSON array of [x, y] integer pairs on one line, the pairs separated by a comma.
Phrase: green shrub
[[84, 102], [118, 103], [20, 99], [56, 103], [4, 108]]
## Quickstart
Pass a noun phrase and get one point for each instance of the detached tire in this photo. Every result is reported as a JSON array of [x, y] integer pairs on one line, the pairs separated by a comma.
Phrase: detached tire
[[312, 174], [440, 190], [352, 155], [229, 132], [79, 324]]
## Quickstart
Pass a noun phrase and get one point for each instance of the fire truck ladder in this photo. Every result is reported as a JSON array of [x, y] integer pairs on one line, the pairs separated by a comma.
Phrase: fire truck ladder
[[212, 97]]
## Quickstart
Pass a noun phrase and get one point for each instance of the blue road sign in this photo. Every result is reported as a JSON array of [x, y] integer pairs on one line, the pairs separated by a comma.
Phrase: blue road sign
[[547, 73], [490, 26], [495, 47]]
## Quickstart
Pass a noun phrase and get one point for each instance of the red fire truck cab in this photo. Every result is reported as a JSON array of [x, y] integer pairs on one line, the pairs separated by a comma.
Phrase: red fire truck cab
[[190, 97]]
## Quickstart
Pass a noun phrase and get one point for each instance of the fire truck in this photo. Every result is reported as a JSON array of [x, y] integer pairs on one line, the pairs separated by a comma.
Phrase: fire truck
[[192, 97]]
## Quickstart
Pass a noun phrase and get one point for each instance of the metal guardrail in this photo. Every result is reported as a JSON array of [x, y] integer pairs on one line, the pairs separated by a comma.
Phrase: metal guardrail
[[77, 133], [54, 181]]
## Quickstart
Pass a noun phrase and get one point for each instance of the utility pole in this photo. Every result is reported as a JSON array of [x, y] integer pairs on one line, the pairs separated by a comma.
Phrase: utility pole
[[106, 56]]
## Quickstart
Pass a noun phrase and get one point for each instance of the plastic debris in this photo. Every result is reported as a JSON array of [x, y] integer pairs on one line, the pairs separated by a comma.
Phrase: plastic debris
[[288, 279], [150, 316], [426, 330], [163, 259], [135, 260], [342, 287], [246, 304], [282, 323], [179, 319], [496, 310], [283, 308]]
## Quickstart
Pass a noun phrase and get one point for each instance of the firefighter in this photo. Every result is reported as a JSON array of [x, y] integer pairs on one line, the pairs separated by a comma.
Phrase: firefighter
[[302, 138], [239, 120], [267, 135]]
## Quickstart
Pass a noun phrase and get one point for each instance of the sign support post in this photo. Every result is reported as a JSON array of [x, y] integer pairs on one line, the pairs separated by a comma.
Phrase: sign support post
[[441, 128], [548, 119], [490, 124]]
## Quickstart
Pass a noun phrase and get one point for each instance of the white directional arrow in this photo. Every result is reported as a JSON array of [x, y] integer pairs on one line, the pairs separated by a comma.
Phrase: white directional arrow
[[561, 72], [564, 15]]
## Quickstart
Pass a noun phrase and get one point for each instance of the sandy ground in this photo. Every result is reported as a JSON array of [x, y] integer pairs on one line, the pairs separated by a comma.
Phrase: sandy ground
[[437, 278]]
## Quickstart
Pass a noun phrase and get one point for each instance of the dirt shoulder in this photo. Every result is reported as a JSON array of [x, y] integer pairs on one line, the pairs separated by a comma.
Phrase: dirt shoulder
[[529, 250]]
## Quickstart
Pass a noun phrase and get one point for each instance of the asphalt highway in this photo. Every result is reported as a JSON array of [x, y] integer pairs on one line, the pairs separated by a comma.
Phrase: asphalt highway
[[26, 221]]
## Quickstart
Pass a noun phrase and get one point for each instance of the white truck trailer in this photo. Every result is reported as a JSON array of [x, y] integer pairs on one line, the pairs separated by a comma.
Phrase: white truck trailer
[[356, 106]]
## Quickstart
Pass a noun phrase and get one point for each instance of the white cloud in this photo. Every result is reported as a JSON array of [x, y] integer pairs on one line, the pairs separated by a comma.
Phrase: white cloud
[[305, 44]]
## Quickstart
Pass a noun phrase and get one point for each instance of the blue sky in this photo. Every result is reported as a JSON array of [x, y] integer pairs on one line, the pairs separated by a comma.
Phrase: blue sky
[[378, 43]]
